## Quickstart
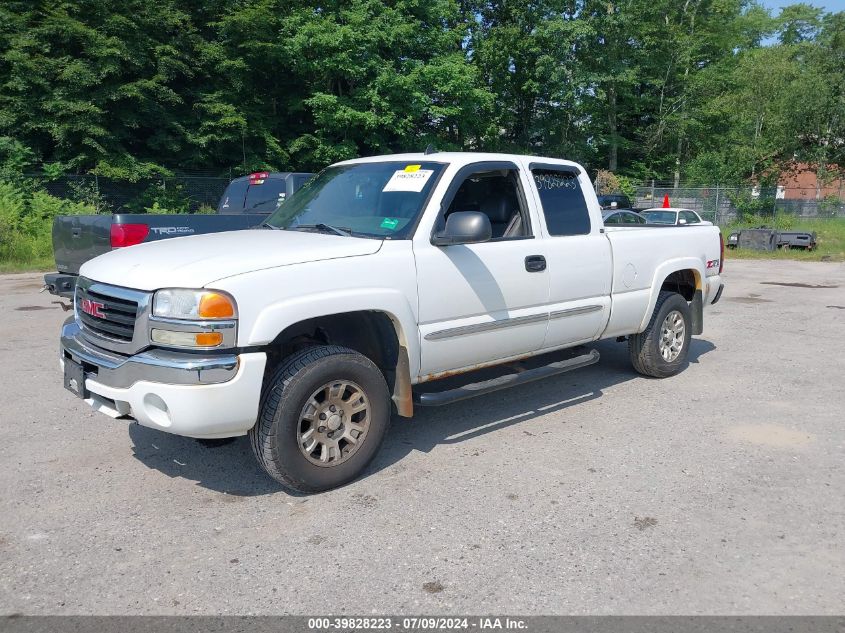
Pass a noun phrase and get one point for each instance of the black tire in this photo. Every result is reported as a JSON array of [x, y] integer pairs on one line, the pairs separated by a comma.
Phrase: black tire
[[214, 442], [275, 437], [644, 348]]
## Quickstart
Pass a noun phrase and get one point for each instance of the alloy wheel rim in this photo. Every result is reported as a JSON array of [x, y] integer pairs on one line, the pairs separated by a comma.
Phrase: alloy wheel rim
[[333, 423], [672, 336]]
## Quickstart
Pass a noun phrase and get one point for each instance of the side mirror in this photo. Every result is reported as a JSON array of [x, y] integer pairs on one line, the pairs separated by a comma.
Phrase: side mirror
[[682, 221], [464, 227]]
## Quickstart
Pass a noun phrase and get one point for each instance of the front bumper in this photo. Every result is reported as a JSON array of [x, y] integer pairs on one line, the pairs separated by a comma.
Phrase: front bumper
[[197, 395]]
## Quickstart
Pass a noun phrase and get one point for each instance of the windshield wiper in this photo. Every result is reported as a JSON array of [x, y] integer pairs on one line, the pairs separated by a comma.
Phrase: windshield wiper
[[322, 226], [267, 225]]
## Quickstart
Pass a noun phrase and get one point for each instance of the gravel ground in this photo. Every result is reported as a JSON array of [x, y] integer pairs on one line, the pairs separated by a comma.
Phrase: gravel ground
[[718, 491]]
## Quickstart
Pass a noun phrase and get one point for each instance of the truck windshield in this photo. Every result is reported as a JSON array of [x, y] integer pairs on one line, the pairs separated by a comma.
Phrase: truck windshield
[[372, 199]]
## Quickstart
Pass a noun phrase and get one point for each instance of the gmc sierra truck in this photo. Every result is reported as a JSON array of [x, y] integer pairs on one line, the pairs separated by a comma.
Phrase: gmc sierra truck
[[384, 284], [246, 203]]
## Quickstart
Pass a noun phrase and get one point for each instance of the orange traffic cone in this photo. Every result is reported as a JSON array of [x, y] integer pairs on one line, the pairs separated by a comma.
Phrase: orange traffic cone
[[666, 204]]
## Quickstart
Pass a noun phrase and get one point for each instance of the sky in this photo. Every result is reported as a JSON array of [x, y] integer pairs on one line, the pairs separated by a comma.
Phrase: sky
[[831, 6]]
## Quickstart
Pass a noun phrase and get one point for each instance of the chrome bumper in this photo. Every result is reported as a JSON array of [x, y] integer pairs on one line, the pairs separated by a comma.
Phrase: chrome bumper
[[155, 365]]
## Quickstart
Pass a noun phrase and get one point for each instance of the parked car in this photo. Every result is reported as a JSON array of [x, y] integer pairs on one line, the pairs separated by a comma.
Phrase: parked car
[[247, 202], [384, 284], [672, 216], [622, 217], [614, 201]]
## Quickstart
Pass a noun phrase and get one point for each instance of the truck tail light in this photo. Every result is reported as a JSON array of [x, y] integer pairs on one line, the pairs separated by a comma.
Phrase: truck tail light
[[721, 252], [128, 234]]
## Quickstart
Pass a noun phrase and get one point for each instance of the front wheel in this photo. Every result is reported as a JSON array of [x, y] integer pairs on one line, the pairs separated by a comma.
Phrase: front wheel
[[662, 349], [323, 416]]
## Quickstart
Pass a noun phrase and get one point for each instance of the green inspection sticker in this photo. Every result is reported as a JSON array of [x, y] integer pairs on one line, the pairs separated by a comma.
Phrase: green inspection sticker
[[389, 223]]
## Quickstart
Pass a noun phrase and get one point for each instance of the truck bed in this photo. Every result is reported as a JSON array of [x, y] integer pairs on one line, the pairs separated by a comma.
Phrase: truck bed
[[641, 252]]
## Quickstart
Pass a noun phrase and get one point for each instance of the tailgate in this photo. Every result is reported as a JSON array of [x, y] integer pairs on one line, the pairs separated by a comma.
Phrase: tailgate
[[78, 238]]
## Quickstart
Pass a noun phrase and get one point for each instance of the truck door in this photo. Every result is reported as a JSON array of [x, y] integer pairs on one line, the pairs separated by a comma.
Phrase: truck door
[[578, 254], [487, 301]]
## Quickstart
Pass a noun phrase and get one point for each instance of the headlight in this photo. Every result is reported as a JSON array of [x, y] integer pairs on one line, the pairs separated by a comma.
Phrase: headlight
[[176, 303]]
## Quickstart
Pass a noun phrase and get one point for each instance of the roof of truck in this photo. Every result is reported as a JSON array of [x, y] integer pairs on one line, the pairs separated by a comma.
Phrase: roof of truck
[[459, 158]]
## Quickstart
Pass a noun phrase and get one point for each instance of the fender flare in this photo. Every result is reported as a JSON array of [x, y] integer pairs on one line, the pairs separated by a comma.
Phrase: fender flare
[[277, 317], [662, 272]]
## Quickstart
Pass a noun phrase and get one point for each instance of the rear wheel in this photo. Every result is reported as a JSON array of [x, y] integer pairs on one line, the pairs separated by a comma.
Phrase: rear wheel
[[323, 416], [662, 349]]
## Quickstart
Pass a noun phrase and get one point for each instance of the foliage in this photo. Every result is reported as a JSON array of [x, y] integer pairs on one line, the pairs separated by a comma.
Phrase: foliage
[[607, 183], [15, 157], [88, 194], [700, 90], [750, 208], [162, 198], [628, 186], [26, 220]]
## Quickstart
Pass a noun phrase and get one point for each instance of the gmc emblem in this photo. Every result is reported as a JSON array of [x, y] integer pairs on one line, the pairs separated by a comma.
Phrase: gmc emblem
[[94, 308]]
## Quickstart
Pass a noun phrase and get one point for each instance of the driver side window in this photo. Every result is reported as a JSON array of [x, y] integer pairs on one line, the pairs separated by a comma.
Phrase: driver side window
[[498, 195]]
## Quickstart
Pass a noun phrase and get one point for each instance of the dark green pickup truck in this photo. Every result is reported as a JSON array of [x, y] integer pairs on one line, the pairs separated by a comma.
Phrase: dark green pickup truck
[[246, 203]]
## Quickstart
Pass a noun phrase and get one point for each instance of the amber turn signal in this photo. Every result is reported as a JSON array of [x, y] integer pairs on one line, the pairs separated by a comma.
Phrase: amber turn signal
[[187, 339], [214, 305], [209, 339]]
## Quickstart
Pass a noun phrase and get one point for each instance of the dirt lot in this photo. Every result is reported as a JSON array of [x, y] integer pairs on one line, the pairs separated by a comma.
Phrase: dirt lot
[[717, 491]]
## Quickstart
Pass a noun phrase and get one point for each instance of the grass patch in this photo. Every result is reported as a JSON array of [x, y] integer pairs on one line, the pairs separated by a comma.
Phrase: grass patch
[[830, 242], [44, 264]]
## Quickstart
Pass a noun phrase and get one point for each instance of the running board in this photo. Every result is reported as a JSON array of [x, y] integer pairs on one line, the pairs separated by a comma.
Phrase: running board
[[518, 374]]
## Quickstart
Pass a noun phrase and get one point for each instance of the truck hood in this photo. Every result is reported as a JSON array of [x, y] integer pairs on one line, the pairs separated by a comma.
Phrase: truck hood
[[197, 261]]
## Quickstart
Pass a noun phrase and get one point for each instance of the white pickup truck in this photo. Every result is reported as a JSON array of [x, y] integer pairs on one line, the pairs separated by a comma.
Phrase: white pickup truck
[[385, 283]]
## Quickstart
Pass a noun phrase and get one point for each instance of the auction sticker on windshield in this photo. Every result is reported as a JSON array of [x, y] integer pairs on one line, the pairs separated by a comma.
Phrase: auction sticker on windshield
[[404, 180]]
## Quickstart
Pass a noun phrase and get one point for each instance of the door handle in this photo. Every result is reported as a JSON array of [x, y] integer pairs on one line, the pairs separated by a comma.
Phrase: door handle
[[76, 232], [535, 263]]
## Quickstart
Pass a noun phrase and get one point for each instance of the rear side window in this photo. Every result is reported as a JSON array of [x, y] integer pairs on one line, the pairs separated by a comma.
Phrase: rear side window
[[265, 197], [233, 198], [563, 202], [690, 217]]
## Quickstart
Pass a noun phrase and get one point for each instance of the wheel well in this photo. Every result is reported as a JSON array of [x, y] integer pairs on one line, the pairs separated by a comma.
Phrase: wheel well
[[683, 282], [370, 333]]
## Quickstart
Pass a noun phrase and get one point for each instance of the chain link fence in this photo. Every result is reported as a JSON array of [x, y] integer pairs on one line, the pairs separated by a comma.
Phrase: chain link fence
[[178, 194], [720, 204], [727, 205]]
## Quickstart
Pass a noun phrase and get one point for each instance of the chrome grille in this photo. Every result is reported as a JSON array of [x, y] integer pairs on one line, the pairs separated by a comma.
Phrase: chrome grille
[[119, 315], [121, 320]]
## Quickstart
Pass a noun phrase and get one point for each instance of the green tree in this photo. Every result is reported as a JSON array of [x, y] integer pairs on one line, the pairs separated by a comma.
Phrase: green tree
[[103, 84]]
